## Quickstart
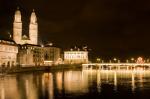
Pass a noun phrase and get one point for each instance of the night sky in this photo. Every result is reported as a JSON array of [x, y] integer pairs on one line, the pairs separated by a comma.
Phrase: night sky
[[111, 28]]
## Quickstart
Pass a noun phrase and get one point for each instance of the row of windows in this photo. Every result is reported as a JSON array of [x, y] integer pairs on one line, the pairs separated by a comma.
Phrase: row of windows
[[76, 53], [27, 47], [7, 57], [75, 57], [8, 48]]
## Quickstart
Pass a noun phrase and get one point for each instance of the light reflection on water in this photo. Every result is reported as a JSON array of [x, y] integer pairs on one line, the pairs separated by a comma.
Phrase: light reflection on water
[[71, 83]]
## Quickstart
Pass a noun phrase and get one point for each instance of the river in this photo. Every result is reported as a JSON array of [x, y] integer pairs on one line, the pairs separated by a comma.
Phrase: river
[[76, 84]]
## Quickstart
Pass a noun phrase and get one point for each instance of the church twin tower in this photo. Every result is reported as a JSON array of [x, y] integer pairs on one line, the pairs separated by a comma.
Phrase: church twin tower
[[17, 29]]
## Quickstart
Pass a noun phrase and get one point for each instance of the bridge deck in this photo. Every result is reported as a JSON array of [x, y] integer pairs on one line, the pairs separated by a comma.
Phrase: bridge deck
[[117, 64]]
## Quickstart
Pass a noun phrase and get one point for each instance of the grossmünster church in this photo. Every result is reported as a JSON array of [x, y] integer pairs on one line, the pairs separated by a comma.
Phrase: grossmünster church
[[23, 50], [29, 52], [17, 29]]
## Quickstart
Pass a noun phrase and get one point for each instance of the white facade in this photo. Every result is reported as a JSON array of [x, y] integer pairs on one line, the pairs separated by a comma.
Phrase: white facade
[[33, 29], [8, 53], [17, 29], [75, 57]]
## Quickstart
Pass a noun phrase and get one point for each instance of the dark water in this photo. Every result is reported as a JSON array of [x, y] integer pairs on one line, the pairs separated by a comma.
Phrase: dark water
[[85, 84]]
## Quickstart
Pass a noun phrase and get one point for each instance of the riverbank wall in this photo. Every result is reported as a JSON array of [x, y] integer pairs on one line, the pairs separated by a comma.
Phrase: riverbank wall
[[40, 68]]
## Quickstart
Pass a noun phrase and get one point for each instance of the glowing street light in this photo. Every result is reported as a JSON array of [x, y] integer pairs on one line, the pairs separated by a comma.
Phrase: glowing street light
[[147, 61], [132, 59], [115, 59], [118, 61], [127, 61], [98, 59], [109, 61]]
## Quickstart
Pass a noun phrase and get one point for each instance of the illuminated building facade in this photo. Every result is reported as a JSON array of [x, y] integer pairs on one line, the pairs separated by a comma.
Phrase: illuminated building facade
[[8, 53], [52, 55], [30, 55], [34, 55], [29, 52], [75, 57], [140, 60], [33, 29]]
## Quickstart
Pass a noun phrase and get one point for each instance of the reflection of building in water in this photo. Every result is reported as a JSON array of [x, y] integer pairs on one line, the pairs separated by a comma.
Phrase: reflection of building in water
[[99, 81], [8, 53], [9, 88], [75, 57], [120, 78], [74, 82], [47, 85], [33, 85], [71, 81], [133, 82], [59, 81], [141, 79], [2, 93], [27, 86], [31, 90]]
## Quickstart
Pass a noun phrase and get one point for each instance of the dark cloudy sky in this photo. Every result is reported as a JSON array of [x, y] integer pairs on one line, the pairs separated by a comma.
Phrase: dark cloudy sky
[[108, 27]]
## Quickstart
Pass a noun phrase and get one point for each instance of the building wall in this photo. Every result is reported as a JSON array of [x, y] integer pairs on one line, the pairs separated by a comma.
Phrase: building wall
[[75, 57], [33, 33], [17, 32], [30, 55], [17, 29], [52, 54], [8, 54]]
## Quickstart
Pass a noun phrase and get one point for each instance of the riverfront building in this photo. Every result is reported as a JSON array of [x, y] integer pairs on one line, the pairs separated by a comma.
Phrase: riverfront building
[[34, 55], [24, 50], [30, 55], [75, 57], [8, 53], [52, 55]]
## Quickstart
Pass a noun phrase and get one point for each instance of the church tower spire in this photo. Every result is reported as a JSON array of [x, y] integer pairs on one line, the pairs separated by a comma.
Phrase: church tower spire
[[17, 27], [33, 29]]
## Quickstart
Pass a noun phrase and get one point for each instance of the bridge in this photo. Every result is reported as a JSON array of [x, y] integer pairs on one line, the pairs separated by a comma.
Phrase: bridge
[[118, 66]]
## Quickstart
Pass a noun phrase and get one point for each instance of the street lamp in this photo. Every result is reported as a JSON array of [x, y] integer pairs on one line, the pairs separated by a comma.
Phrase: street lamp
[[115, 59], [127, 61], [98, 60], [132, 60], [147, 60], [109, 61]]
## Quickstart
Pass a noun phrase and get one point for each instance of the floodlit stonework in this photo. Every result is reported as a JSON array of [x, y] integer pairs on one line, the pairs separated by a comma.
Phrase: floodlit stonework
[[30, 55], [8, 53], [52, 55], [17, 29], [75, 57], [34, 55]]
